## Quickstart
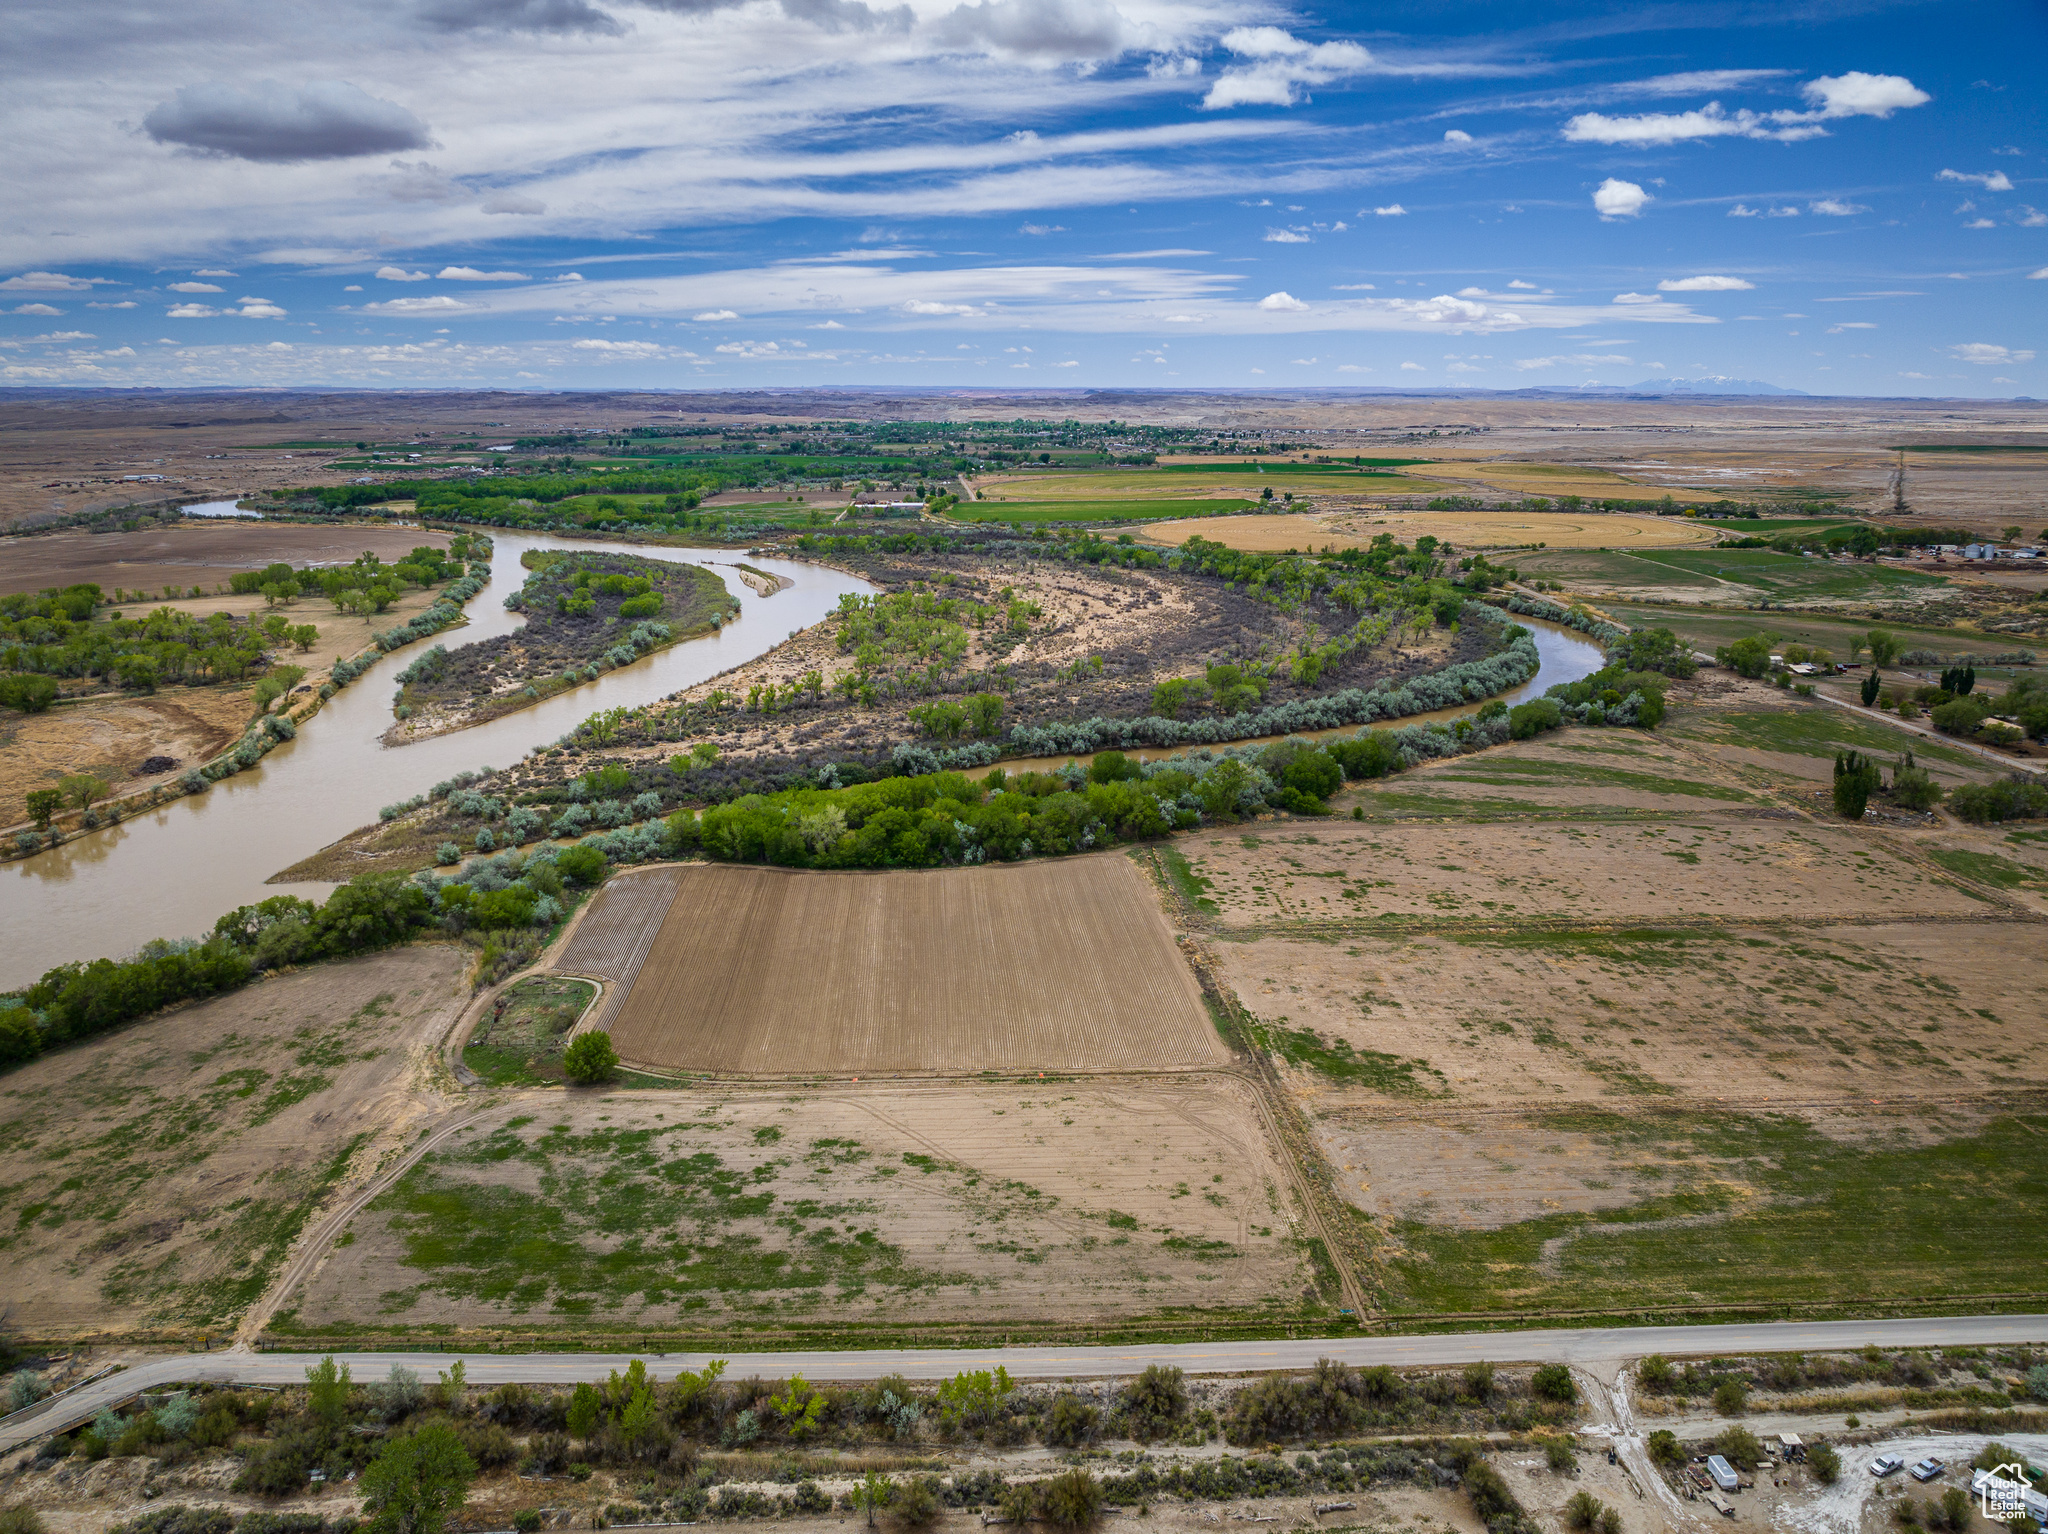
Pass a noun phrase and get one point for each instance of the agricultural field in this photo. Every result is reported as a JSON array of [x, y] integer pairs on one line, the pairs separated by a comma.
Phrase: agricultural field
[[1197, 481], [1279, 531], [1729, 576], [854, 1207], [1092, 511], [1025, 967], [117, 736], [157, 1176], [195, 553]]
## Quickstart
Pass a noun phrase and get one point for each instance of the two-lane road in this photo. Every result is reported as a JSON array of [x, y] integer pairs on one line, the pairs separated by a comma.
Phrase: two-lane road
[[1587, 1348]]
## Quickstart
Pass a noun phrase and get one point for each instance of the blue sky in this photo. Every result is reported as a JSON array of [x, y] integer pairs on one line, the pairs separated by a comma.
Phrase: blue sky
[[1838, 197]]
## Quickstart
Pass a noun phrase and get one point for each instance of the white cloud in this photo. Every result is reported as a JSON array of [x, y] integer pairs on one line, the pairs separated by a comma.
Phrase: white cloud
[[1355, 287], [1282, 65], [1830, 207], [191, 312], [1577, 359], [215, 271], [1181, 68], [418, 182], [471, 274], [619, 348], [709, 316], [49, 309], [259, 309], [515, 204], [400, 274], [1704, 285], [1614, 199], [1981, 223], [1637, 298], [354, 287], [440, 303], [1304, 362], [928, 306], [1856, 94], [1983, 354], [1039, 229], [1411, 367], [1063, 364], [1831, 97], [1352, 367], [1457, 136], [1391, 210], [1282, 302], [827, 325], [1992, 181], [1286, 237], [51, 282], [1527, 287], [2032, 217], [1743, 210], [193, 287]]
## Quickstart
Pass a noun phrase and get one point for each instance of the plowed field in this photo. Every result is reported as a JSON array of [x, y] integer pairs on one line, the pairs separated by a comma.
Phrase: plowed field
[[1063, 966]]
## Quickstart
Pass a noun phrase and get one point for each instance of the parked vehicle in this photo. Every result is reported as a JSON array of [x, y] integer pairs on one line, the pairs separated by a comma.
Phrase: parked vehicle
[[1928, 1469], [1887, 1464]]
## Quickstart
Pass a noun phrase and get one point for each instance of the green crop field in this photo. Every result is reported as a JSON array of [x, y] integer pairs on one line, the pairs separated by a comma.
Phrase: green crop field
[[1760, 1210], [1791, 573], [1179, 480]]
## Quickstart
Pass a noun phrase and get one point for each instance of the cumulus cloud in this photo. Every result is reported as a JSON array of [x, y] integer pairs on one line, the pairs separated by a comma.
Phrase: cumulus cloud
[[42, 309], [1457, 136], [471, 274], [1984, 354], [1615, 199], [1391, 210], [925, 306], [1282, 302], [274, 123], [1281, 68], [1991, 181], [1049, 30], [1833, 207], [559, 16], [713, 316], [399, 274], [194, 287], [257, 309], [514, 203], [1704, 285], [440, 303], [191, 312], [1517, 282], [1830, 97], [1411, 367], [51, 282], [1286, 237]]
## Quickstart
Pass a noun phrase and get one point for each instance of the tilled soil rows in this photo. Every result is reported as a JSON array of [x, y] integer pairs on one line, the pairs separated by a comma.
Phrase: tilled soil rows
[[764, 971]]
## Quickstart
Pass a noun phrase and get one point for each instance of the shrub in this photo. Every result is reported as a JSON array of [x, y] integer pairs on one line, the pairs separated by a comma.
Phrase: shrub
[[526, 1520], [1071, 1499], [447, 853], [1739, 1447], [1730, 1398], [1071, 1422], [1656, 1373], [1554, 1382], [1582, 1511], [582, 865], [1154, 1401], [1665, 1448], [1528, 720], [2013, 798], [590, 1057], [1561, 1454], [916, 1503], [1827, 1464]]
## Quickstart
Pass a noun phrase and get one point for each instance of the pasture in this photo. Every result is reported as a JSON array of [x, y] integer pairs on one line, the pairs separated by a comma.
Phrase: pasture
[[1021, 967], [1461, 529], [855, 1208]]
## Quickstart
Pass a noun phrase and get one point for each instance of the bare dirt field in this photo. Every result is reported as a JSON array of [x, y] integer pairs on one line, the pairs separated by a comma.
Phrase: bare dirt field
[[156, 1176], [853, 1205], [1034, 966], [1267, 533], [114, 736], [1358, 877], [194, 553]]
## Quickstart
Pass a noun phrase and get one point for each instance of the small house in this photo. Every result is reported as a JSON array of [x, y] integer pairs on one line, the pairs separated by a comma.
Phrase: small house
[[1723, 1473]]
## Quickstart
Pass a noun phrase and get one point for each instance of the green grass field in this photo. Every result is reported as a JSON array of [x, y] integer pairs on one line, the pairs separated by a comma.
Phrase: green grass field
[[1815, 730], [1175, 481], [1760, 1210], [1791, 573]]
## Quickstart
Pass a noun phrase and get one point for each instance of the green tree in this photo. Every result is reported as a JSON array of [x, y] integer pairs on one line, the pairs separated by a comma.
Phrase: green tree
[[590, 1057], [1655, 1372], [1856, 779], [327, 1387], [986, 711], [416, 1482], [1582, 1511], [586, 1407], [1871, 683], [43, 804], [871, 1493], [799, 1406], [83, 788], [1827, 1464], [1885, 647], [971, 1398], [1739, 1447], [1749, 657], [28, 693], [1553, 1382], [1665, 1448], [1170, 697], [1730, 1398]]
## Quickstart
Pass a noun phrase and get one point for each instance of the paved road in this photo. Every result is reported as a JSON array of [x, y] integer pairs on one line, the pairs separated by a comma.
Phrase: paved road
[[1588, 1348]]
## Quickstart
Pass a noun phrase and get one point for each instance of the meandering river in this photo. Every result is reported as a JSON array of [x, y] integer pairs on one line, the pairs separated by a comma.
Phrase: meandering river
[[175, 870]]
